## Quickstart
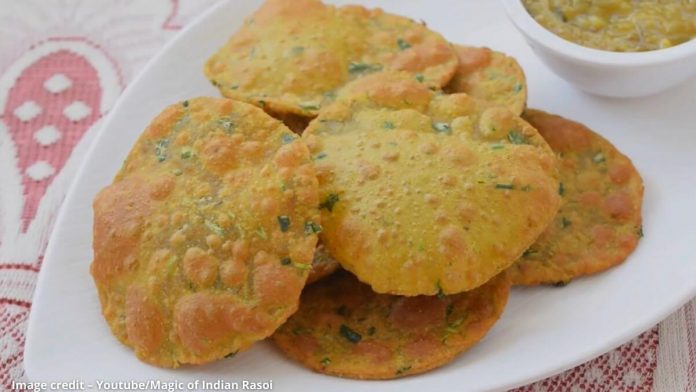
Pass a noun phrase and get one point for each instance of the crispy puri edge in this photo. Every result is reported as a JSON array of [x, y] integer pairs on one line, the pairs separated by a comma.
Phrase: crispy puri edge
[[501, 291], [565, 276]]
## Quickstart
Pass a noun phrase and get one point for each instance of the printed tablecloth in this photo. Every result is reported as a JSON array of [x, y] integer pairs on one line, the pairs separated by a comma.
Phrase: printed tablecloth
[[63, 63]]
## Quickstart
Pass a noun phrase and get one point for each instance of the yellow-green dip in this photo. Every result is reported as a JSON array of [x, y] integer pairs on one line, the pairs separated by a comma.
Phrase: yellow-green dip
[[618, 25]]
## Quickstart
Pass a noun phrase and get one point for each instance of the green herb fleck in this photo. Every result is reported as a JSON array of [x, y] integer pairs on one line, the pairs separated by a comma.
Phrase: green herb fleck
[[285, 261], [234, 86], [310, 106], [449, 310], [212, 226], [178, 172], [402, 44], [231, 355], [354, 67], [287, 138], [561, 283], [329, 202], [565, 222], [516, 137], [441, 127], [185, 104], [497, 146], [325, 361], [297, 50], [388, 125], [161, 149], [640, 231], [261, 233], [440, 293], [284, 222], [186, 153], [504, 186], [598, 158], [226, 124], [371, 331], [350, 334], [311, 228], [529, 252], [527, 188], [321, 155], [517, 88], [420, 78], [403, 369], [561, 189]]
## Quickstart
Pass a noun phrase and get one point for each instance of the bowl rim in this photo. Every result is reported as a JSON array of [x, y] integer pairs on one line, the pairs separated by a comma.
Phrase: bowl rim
[[533, 30]]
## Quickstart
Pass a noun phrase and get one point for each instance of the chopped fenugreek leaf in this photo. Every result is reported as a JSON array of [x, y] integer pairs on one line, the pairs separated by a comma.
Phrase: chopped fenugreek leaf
[[441, 127], [161, 149], [529, 252], [561, 189], [321, 155], [178, 172], [640, 231], [329, 202], [214, 227], [449, 310], [516, 137], [354, 67], [403, 369], [561, 283], [504, 186], [186, 153], [287, 138], [598, 158], [310, 106], [497, 146], [297, 50], [284, 223], [230, 355], [517, 88], [388, 125], [285, 261], [565, 222], [185, 104], [311, 228], [371, 331], [402, 44], [261, 233], [420, 78], [325, 361], [440, 293], [350, 334], [226, 124]]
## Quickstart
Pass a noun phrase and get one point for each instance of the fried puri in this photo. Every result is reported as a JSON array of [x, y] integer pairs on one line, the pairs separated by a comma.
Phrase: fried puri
[[491, 76], [599, 222], [343, 328], [201, 244], [426, 193], [292, 56]]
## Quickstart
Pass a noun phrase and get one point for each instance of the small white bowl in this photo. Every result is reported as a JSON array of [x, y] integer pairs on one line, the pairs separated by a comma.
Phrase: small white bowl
[[601, 72]]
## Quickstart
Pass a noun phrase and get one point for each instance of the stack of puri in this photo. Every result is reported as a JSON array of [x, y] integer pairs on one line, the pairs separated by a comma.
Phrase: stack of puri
[[365, 194]]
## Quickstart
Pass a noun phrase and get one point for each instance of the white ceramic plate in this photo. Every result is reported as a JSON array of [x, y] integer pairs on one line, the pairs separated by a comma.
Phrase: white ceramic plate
[[543, 331]]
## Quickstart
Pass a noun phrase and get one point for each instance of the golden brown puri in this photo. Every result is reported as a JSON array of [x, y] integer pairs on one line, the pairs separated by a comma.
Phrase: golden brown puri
[[345, 329], [425, 193], [599, 223], [203, 242], [491, 76], [323, 264], [291, 56]]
